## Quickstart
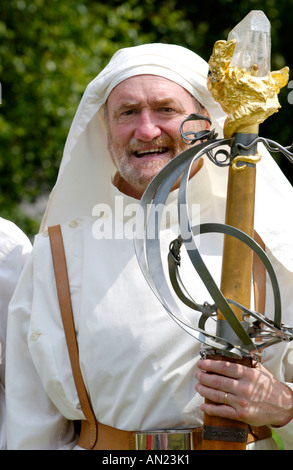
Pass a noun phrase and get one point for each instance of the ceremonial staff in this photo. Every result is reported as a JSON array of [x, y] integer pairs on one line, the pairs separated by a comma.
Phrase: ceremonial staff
[[240, 80]]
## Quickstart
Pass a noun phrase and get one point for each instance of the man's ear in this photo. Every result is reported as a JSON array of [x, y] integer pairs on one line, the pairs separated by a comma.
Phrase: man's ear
[[204, 112]]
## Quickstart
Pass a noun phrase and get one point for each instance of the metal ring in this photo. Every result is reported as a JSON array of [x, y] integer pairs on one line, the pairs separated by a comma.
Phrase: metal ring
[[226, 401]]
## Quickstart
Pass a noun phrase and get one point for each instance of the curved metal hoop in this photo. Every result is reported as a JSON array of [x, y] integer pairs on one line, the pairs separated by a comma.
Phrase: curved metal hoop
[[147, 248]]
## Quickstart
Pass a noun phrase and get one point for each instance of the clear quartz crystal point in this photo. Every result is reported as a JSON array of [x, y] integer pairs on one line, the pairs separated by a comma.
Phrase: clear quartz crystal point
[[253, 44]]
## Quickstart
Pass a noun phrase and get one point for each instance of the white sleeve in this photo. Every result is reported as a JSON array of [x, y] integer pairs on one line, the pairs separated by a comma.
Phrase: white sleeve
[[279, 358], [14, 250], [33, 421]]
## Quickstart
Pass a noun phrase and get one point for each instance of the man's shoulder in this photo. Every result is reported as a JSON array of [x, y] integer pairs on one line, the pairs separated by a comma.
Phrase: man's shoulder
[[11, 236], [10, 230], [71, 231]]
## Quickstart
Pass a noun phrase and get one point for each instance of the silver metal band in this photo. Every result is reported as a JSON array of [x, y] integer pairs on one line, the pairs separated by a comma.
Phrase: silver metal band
[[181, 439]]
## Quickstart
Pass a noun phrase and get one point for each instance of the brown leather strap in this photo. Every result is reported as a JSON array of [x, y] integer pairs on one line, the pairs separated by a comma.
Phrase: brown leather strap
[[257, 433], [117, 439], [63, 291], [114, 439]]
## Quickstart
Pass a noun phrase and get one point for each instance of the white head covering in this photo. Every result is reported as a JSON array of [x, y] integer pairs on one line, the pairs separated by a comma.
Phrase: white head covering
[[86, 168]]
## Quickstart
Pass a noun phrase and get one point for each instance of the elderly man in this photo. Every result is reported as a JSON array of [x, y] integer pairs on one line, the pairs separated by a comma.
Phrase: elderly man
[[14, 250], [138, 367]]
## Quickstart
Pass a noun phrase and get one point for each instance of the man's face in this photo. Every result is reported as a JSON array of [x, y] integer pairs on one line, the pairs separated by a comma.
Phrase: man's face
[[144, 115]]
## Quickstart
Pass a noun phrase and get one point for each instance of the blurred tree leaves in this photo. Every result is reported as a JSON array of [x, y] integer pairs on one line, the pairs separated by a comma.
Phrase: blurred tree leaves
[[50, 50]]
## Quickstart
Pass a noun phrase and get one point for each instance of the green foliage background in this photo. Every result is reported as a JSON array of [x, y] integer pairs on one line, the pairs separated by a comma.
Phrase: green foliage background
[[50, 50]]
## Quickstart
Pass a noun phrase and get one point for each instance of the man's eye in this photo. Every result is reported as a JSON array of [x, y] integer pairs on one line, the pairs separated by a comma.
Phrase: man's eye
[[128, 112], [167, 110]]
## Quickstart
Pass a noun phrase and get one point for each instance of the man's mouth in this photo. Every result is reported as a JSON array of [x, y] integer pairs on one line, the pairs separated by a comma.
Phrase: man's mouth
[[153, 151]]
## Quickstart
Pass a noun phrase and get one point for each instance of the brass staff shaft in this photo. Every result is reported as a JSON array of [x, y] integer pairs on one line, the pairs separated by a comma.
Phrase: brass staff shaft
[[236, 275], [237, 257]]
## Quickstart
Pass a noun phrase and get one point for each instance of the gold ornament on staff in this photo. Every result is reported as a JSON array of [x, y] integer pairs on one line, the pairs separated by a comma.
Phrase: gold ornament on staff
[[240, 80]]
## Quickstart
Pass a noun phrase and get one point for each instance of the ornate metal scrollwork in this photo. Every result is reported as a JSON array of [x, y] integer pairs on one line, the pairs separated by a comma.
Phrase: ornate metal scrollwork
[[205, 135], [199, 136], [271, 146]]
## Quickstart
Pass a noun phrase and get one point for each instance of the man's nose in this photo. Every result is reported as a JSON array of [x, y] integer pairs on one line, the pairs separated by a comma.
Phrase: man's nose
[[147, 128]]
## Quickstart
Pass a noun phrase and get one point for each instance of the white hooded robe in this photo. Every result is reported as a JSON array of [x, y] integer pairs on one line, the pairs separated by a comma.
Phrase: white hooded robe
[[138, 365]]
